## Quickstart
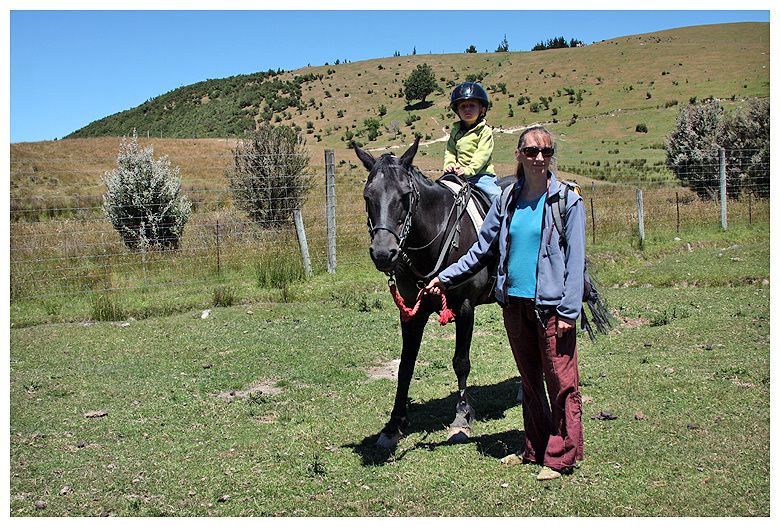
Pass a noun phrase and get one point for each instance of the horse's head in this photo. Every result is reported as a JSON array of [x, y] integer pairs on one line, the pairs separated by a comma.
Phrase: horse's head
[[391, 196]]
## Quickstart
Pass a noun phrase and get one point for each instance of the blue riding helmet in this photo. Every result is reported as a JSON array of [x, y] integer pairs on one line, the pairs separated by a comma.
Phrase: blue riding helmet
[[468, 90]]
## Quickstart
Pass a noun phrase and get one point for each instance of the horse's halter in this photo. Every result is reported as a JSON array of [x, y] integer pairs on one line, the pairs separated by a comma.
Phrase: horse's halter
[[414, 199]]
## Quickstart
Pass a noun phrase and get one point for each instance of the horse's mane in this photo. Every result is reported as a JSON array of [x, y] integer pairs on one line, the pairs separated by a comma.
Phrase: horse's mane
[[391, 159]]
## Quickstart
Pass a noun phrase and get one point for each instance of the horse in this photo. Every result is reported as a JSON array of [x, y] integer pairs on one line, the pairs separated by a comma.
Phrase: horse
[[417, 227]]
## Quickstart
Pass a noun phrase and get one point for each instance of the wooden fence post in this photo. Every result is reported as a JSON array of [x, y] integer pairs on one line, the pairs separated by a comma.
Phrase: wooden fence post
[[640, 216], [723, 220], [677, 202], [301, 233], [593, 222], [330, 212], [216, 233]]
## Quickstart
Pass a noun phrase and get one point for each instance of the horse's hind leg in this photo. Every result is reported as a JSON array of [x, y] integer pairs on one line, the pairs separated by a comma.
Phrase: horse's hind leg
[[411, 333], [460, 428]]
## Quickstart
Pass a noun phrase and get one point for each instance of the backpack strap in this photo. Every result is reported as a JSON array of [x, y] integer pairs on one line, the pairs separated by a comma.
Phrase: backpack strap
[[559, 212], [505, 198]]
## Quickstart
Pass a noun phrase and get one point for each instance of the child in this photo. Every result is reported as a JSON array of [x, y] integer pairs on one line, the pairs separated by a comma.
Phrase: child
[[470, 147]]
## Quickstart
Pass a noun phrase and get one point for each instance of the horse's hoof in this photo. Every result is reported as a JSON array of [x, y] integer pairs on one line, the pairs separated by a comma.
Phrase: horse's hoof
[[388, 442], [458, 434]]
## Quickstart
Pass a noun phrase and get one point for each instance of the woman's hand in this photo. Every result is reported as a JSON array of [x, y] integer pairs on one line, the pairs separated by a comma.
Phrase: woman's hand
[[434, 287], [564, 325]]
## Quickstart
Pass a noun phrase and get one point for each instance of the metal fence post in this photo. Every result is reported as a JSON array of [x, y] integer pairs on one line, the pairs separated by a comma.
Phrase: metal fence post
[[301, 232], [723, 221], [330, 206], [640, 216]]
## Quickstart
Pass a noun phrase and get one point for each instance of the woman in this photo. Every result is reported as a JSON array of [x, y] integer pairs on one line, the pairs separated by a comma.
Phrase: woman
[[539, 285]]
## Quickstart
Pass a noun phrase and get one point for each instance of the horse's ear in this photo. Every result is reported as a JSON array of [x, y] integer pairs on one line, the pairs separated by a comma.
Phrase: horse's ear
[[365, 157], [408, 157]]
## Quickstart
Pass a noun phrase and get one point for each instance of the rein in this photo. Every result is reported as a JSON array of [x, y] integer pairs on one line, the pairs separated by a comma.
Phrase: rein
[[445, 315]]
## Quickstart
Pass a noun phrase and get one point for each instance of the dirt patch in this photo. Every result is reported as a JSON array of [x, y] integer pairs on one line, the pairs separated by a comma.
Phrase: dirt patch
[[386, 370], [629, 323], [258, 388]]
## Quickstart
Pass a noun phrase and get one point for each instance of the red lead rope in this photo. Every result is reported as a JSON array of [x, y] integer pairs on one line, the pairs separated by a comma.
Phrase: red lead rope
[[446, 314]]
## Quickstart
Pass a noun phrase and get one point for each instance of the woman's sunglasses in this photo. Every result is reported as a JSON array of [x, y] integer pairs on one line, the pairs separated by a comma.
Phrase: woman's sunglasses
[[533, 151]]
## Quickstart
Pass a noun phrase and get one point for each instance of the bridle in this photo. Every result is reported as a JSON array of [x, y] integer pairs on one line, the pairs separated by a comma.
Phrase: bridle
[[414, 199], [458, 205]]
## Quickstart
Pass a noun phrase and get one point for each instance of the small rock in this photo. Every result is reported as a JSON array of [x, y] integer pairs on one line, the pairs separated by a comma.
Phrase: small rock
[[511, 459], [693, 426], [96, 413], [639, 416], [648, 344], [250, 312], [504, 485], [191, 493], [708, 347], [205, 313], [40, 505], [669, 371], [65, 490], [587, 399], [207, 366], [124, 324], [81, 444], [677, 239], [223, 499], [690, 250]]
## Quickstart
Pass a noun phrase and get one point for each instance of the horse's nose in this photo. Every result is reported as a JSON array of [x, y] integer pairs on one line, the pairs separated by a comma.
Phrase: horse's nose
[[383, 254], [383, 258]]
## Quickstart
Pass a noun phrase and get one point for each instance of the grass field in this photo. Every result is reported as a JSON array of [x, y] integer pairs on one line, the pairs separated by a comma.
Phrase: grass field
[[215, 381], [271, 408]]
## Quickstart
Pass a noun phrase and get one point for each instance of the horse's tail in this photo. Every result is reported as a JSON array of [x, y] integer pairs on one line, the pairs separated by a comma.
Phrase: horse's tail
[[598, 307]]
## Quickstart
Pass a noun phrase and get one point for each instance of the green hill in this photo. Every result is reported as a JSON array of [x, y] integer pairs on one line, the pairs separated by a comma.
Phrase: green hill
[[646, 76]]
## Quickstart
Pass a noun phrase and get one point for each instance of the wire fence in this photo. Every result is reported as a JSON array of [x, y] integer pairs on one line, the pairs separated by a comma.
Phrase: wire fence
[[61, 243]]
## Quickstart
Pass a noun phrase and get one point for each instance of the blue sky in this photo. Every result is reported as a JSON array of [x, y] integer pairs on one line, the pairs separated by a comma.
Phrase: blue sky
[[69, 68]]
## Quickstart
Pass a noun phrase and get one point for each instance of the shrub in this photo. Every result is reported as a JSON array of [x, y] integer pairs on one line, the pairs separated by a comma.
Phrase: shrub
[[692, 150], [224, 296], [268, 178], [372, 127], [142, 198], [745, 136], [106, 308], [641, 128]]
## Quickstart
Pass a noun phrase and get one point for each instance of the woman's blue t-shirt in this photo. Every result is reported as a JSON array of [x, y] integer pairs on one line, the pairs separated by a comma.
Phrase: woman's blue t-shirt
[[525, 233]]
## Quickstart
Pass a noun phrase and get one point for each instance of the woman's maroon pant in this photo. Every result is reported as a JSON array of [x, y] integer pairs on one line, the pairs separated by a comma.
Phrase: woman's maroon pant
[[553, 428]]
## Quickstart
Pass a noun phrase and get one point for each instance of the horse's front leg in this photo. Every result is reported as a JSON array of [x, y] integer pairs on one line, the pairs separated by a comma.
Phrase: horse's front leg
[[411, 333], [460, 428]]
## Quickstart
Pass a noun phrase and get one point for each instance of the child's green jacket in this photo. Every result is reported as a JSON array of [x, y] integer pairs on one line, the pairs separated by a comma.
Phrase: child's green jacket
[[471, 149]]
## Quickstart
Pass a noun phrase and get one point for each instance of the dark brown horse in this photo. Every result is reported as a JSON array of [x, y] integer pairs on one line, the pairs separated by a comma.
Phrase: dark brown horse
[[417, 228]]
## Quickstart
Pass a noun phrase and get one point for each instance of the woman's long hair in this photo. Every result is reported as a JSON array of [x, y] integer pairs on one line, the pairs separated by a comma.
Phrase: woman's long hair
[[536, 129]]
